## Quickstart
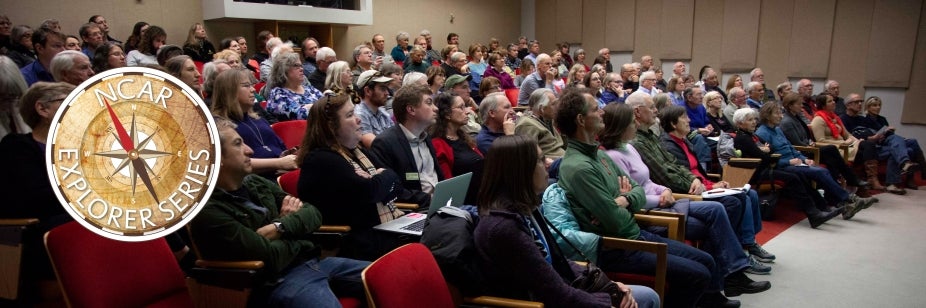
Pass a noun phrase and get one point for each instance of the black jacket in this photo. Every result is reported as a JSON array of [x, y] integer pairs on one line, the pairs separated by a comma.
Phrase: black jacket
[[393, 149]]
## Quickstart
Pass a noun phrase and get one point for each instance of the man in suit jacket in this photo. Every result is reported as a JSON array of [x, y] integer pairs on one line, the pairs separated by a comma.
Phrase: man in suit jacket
[[406, 148]]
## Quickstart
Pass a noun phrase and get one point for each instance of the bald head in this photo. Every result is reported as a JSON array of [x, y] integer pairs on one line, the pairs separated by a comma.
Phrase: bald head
[[679, 68]]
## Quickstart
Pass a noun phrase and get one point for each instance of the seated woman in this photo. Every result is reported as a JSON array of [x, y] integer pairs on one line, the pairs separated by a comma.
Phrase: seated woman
[[576, 75], [798, 134], [497, 69], [184, 69], [592, 82], [331, 161], [290, 96], [674, 121], [456, 150], [828, 128], [795, 186], [147, 51], [876, 128], [793, 161], [233, 99], [713, 102], [108, 56], [338, 81], [515, 247], [706, 220]]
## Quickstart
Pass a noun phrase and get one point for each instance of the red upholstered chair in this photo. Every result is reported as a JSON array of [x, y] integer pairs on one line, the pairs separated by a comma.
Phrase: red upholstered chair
[[406, 277], [290, 131], [258, 86], [512, 95], [95, 271], [289, 182]]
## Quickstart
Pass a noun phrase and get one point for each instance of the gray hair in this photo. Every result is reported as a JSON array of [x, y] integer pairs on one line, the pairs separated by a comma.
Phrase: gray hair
[[647, 74], [829, 83], [542, 57], [333, 79], [279, 49], [424, 32], [63, 62], [325, 52], [273, 43], [402, 35], [12, 84], [712, 95], [539, 99], [742, 114], [736, 91], [281, 63], [457, 56], [414, 77], [754, 72], [752, 86], [489, 103], [636, 99]]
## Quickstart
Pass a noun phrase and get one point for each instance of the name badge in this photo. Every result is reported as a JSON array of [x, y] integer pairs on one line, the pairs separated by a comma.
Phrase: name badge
[[411, 176]]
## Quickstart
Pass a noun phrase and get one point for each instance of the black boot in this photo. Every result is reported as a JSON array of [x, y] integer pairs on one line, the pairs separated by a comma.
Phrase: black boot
[[819, 217], [715, 299], [738, 283]]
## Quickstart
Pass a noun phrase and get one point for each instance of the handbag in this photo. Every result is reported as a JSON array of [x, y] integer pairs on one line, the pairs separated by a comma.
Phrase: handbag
[[592, 279]]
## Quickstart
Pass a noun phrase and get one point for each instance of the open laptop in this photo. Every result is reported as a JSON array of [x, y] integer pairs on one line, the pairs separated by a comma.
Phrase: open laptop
[[450, 192]]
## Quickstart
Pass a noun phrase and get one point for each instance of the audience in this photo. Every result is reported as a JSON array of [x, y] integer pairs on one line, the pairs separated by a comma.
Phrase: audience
[[497, 120], [290, 96], [47, 44], [456, 150], [147, 49], [538, 124], [197, 46]]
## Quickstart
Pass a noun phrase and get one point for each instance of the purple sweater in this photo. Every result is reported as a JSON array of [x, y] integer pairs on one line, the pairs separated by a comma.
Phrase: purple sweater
[[630, 161], [514, 266]]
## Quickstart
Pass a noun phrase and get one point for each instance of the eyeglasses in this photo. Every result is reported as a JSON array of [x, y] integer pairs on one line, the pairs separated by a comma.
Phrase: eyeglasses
[[855, 102]]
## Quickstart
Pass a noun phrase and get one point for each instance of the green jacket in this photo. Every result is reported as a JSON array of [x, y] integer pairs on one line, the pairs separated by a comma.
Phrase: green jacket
[[226, 227], [590, 179], [664, 168]]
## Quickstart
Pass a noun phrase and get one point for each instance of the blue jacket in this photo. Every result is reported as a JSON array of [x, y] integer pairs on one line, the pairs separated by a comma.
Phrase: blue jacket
[[779, 144], [555, 208]]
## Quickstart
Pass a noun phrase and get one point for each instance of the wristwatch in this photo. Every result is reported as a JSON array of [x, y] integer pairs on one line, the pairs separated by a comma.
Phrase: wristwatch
[[279, 226]]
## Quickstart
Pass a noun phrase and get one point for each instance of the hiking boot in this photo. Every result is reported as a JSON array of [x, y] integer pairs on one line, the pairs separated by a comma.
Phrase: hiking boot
[[760, 253], [850, 209], [738, 283], [864, 203], [757, 268], [818, 218]]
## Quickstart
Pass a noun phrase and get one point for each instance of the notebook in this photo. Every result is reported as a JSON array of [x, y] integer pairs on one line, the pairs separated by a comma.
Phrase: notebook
[[449, 192]]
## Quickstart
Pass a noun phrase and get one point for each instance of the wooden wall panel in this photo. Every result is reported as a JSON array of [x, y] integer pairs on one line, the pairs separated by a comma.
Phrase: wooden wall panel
[[546, 24], [740, 35], [568, 21], [774, 40], [891, 44], [619, 25], [647, 29], [850, 40], [593, 23], [811, 35], [676, 29], [708, 24], [914, 107]]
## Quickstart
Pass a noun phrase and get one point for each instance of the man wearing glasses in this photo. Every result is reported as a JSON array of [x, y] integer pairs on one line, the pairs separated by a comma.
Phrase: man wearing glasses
[[648, 83], [832, 87]]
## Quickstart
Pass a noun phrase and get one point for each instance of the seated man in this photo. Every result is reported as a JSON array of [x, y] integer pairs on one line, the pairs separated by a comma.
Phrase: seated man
[[251, 218], [406, 147], [497, 120], [539, 125], [604, 199], [666, 170], [372, 108]]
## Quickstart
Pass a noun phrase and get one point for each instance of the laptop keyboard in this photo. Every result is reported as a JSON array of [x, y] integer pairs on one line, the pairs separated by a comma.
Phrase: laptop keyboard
[[417, 226]]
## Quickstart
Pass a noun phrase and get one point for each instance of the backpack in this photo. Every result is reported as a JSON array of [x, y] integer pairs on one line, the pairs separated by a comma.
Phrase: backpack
[[449, 236]]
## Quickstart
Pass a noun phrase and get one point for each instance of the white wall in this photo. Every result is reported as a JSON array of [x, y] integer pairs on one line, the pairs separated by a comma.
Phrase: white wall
[[527, 21], [892, 105]]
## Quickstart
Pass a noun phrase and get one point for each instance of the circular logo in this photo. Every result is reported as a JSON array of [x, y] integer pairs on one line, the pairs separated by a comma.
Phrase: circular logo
[[132, 153]]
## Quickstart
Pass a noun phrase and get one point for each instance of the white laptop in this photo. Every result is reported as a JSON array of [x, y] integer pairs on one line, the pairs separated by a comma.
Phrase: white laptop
[[449, 192]]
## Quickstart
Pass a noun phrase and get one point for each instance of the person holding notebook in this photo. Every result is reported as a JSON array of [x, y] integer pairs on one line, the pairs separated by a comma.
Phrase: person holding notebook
[[331, 161]]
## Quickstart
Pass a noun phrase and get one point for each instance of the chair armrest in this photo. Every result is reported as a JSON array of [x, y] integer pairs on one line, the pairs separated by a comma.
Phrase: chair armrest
[[671, 221], [18, 221], [500, 302], [714, 176], [660, 249], [813, 152], [333, 229], [230, 264], [406, 206], [687, 196]]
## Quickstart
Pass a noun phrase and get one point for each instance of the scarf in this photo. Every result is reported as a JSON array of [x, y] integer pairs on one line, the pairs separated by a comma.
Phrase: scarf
[[386, 211], [833, 122]]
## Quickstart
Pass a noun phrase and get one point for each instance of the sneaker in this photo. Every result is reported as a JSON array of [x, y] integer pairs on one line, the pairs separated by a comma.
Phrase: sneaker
[[760, 253], [757, 268]]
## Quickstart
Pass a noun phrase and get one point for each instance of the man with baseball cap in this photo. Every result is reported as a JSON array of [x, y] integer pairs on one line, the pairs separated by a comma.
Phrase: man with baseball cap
[[374, 91]]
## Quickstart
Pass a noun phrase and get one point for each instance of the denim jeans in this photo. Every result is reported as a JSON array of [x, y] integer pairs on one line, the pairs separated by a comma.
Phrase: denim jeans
[[832, 190], [708, 222], [894, 150], [644, 296], [688, 274], [315, 283]]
